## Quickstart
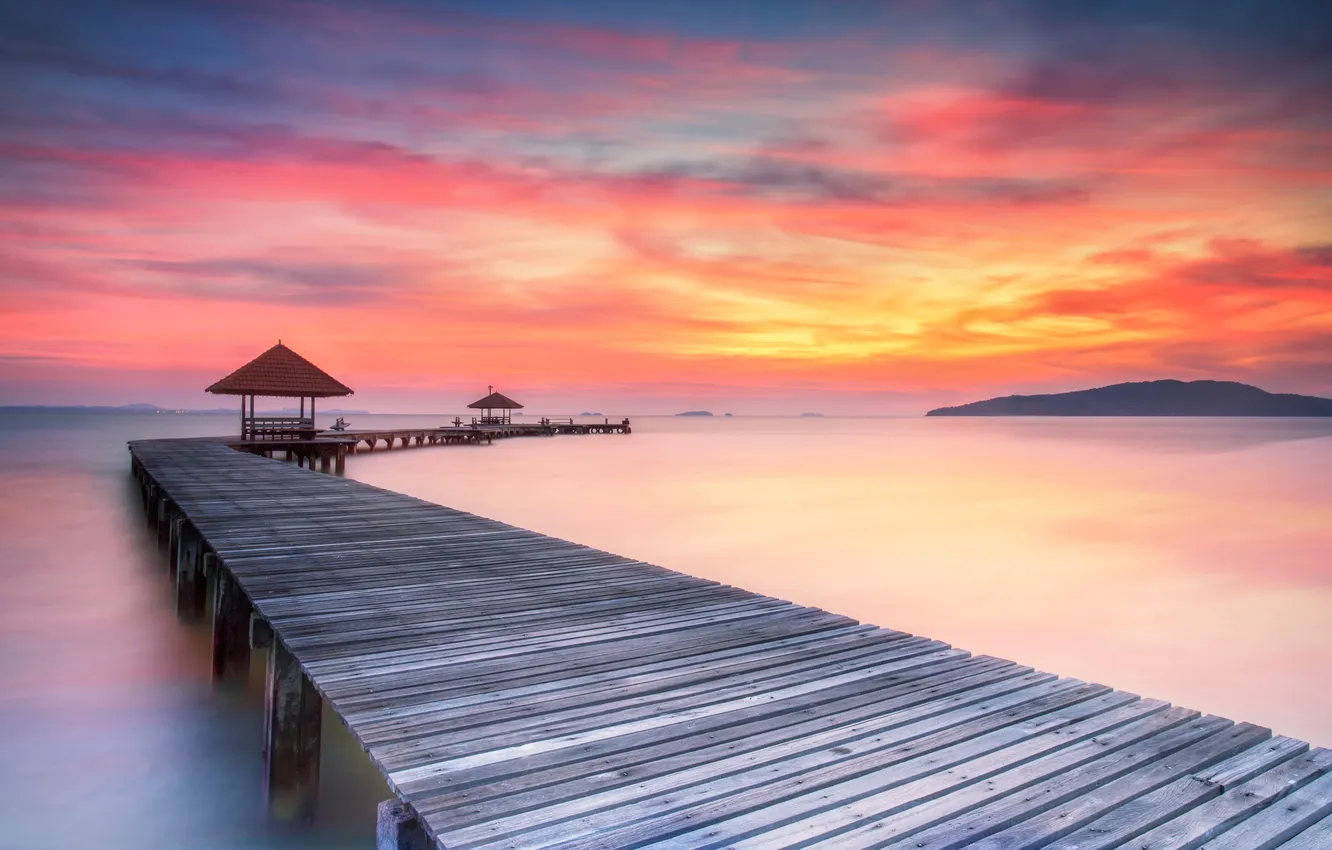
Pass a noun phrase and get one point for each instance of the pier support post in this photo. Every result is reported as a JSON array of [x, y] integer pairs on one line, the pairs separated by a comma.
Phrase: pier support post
[[165, 508], [325, 462], [173, 543], [231, 630], [397, 828], [191, 585], [340, 462], [261, 633], [291, 739]]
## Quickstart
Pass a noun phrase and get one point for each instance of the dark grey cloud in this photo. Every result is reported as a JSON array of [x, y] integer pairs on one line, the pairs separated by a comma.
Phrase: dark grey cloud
[[59, 38], [278, 281], [1112, 50], [778, 179]]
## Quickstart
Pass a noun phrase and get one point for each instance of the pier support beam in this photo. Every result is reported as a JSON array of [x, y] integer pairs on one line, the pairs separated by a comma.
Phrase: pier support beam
[[173, 543], [261, 633], [231, 630], [291, 738], [165, 510], [340, 462], [191, 585], [397, 828]]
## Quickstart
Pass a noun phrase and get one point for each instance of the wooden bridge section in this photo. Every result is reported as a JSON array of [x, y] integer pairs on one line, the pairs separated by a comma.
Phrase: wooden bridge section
[[522, 691]]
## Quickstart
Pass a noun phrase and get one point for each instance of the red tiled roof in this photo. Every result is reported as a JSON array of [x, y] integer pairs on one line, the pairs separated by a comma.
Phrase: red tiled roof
[[495, 401], [279, 371]]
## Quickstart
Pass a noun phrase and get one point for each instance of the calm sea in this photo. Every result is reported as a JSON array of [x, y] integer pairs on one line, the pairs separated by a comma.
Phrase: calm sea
[[1189, 560]]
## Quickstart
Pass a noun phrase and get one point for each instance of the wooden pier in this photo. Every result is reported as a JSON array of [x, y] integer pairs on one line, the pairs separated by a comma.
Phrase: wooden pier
[[369, 440], [522, 691], [327, 450]]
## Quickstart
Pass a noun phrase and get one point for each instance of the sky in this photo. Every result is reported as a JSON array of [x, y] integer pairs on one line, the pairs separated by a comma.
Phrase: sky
[[763, 207]]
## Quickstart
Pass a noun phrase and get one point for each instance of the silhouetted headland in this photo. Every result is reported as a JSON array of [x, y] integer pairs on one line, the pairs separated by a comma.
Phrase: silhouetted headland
[[1151, 398], [695, 413]]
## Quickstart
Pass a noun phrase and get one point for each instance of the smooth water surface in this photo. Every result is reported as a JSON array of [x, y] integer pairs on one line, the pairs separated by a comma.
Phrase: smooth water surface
[[1189, 560]]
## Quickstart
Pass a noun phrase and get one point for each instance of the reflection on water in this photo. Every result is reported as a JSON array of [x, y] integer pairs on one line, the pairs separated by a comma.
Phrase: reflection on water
[[1188, 560], [1190, 436]]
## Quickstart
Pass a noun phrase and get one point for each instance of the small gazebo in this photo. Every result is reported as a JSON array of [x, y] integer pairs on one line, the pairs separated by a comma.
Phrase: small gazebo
[[279, 373], [491, 403]]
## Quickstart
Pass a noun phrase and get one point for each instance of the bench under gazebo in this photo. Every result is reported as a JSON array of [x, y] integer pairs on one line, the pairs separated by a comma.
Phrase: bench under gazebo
[[279, 373], [496, 409]]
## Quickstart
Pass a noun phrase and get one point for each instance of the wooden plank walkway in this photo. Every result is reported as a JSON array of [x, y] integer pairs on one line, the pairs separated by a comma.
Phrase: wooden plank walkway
[[522, 691]]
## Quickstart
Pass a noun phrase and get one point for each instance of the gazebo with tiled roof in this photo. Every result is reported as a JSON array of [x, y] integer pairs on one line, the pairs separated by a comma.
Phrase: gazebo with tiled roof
[[279, 373], [491, 403]]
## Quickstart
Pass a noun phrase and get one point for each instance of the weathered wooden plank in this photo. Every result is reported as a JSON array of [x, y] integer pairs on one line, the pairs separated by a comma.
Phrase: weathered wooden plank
[[1048, 779], [1057, 822], [1316, 837], [1275, 825], [1235, 804], [939, 687], [756, 740], [1242, 751], [788, 775]]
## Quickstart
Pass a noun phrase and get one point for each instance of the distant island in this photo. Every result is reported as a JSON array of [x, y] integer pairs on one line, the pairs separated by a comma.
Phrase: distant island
[[585, 413], [695, 413], [1151, 398], [729, 414], [811, 416]]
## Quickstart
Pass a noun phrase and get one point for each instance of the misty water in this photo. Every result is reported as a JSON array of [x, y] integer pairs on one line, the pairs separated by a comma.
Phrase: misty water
[[1189, 560]]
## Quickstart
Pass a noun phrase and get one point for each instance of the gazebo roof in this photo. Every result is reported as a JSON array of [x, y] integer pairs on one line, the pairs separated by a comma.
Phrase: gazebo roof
[[280, 372], [495, 401]]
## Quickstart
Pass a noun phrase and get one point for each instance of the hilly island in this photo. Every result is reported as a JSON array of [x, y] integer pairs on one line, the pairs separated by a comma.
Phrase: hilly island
[[1150, 398]]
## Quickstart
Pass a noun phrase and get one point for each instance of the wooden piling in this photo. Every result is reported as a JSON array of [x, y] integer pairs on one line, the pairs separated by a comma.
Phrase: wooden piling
[[261, 633], [173, 543], [292, 723], [398, 828], [191, 585], [164, 511], [231, 631]]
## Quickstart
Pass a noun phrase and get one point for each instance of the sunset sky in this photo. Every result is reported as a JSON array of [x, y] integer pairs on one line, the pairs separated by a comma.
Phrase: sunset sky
[[764, 207]]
